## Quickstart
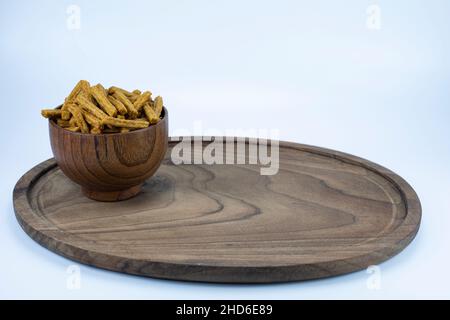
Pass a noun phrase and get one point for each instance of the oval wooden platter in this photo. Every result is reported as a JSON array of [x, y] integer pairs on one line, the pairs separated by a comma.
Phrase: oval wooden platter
[[324, 213]]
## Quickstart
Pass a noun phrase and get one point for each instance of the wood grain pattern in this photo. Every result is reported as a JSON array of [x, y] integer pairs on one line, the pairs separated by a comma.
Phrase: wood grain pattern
[[113, 166], [325, 213]]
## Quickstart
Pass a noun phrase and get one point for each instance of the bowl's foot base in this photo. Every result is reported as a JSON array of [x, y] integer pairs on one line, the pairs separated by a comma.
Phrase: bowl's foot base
[[111, 196]]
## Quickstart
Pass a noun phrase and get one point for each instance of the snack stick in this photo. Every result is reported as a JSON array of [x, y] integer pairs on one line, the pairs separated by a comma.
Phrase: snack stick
[[150, 113], [127, 103], [134, 95], [126, 92], [51, 113], [158, 105], [98, 92], [96, 130], [86, 90], [78, 115], [111, 130], [120, 116], [99, 85], [63, 123], [72, 122], [141, 100], [80, 86], [118, 105], [124, 130], [87, 105], [122, 123], [65, 114], [85, 86], [73, 129], [114, 89], [92, 120], [133, 98]]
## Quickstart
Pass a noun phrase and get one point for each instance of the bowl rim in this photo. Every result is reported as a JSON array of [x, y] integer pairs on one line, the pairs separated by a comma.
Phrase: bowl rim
[[163, 119]]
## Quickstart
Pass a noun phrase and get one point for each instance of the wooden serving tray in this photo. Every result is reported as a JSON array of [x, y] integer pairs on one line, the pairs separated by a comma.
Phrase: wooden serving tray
[[324, 213]]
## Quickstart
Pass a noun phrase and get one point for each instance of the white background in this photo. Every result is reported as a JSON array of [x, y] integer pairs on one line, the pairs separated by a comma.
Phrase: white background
[[314, 70]]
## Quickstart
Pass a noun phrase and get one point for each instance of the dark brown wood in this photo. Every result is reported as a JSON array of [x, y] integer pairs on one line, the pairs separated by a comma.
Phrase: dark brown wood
[[325, 213], [113, 166]]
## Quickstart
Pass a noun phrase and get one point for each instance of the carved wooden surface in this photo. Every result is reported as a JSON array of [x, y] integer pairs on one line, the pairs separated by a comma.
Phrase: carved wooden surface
[[324, 213]]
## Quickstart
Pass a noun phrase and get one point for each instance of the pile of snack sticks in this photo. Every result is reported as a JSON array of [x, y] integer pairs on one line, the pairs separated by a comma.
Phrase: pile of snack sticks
[[93, 109]]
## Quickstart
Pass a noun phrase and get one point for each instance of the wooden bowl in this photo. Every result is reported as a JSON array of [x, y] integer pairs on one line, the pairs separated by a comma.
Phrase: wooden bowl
[[113, 166]]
